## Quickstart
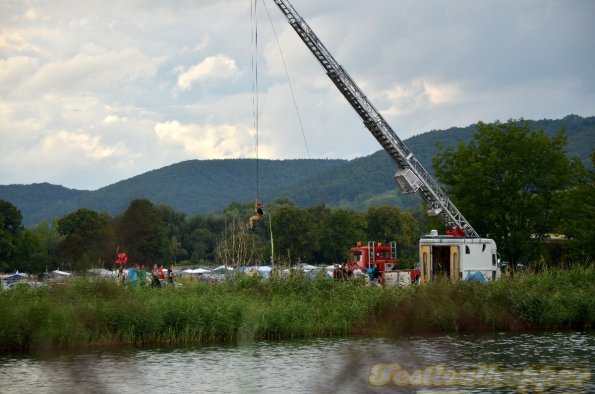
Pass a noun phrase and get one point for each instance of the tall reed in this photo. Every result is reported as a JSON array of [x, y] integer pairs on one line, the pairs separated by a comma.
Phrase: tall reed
[[104, 313]]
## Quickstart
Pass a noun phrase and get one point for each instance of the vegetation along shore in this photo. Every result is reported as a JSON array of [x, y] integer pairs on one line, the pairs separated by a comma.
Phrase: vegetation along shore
[[104, 313]]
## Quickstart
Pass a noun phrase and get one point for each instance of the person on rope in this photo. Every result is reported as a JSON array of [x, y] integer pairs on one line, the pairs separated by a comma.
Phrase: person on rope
[[259, 210]]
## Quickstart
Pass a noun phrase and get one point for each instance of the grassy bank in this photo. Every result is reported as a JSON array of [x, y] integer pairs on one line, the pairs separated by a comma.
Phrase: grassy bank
[[548, 300], [105, 314]]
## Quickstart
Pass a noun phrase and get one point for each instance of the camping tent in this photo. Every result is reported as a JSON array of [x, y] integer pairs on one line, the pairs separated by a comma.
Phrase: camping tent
[[221, 269], [475, 276]]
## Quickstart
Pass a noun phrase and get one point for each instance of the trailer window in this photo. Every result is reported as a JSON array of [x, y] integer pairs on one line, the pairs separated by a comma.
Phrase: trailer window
[[467, 251]]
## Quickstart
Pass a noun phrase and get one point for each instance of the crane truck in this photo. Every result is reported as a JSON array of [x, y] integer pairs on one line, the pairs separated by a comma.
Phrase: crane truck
[[460, 253]]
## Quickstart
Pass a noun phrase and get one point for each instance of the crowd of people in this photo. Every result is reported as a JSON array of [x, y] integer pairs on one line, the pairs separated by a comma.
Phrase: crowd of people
[[353, 271], [138, 276]]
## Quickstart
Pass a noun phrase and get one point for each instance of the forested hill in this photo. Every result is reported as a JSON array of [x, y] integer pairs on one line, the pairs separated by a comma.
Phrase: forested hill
[[208, 186]]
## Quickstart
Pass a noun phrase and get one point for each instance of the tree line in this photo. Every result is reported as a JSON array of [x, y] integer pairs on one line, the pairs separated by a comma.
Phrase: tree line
[[151, 234], [513, 184]]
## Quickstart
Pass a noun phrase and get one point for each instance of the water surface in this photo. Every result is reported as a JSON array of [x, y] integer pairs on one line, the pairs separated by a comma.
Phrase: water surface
[[503, 363]]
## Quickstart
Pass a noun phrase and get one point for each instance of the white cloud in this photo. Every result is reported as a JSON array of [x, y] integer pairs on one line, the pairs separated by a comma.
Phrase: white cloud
[[205, 142], [16, 40], [132, 86], [114, 119], [98, 70], [85, 146], [211, 68], [407, 98], [15, 69]]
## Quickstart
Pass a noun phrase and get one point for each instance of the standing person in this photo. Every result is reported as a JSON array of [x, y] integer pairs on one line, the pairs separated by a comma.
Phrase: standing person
[[170, 274], [155, 276], [160, 275], [142, 276], [132, 275], [121, 275]]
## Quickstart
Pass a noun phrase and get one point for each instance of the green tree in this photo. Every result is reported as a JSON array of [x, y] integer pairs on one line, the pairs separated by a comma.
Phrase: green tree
[[340, 231], [577, 215], [10, 226], [387, 224], [506, 182], [294, 235], [142, 233], [88, 239], [32, 255]]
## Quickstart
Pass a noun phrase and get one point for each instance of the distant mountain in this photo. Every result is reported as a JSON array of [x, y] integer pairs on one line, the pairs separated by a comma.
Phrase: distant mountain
[[208, 186]]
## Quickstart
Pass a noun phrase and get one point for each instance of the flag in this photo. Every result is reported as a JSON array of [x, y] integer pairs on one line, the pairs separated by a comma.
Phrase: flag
[[122, 258]]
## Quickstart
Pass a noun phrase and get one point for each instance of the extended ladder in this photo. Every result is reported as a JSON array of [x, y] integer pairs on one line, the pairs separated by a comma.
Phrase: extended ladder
[[412, 176]]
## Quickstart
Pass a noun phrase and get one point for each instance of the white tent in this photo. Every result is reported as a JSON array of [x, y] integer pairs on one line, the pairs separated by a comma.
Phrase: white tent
[[102, 272], [197, 271], [60, 273]]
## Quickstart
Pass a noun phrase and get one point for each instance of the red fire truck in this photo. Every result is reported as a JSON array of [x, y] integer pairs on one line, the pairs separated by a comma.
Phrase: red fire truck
[[383, 259]]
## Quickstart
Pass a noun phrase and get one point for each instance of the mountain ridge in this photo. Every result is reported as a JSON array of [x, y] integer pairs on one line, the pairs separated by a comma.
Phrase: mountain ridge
[[208, 186]]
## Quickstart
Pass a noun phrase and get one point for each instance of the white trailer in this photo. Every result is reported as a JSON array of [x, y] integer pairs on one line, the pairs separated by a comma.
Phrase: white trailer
[[457, 258]]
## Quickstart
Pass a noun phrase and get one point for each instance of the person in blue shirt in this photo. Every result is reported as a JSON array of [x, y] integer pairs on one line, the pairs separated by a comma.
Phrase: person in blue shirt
[[132, 275]]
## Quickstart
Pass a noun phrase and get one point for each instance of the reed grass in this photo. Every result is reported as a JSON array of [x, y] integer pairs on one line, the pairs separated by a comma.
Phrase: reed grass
[[103, 313], [552, 299]]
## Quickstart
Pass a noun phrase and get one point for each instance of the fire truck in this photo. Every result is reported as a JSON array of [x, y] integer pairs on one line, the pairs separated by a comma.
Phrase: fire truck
[[383, 258], [460, 253]]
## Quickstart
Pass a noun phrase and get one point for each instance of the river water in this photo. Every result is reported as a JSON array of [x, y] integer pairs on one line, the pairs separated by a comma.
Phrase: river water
[[501, 363]]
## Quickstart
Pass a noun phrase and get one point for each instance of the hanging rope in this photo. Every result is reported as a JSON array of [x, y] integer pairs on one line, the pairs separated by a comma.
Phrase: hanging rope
[[253, 16], [288, 79]]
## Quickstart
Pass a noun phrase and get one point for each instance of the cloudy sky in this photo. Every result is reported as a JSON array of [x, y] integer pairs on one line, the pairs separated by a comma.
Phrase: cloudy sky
[[93, 92]]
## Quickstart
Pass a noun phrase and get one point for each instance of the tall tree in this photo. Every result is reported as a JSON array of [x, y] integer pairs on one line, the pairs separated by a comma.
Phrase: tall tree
[[294, 234], [88, 238], [142, 233], [577, 215], [10, 226], [506, 183], [340, 231], [32, 254]]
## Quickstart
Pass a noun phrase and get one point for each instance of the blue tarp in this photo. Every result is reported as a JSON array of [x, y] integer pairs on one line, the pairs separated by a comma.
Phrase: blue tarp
[[264, 270], [13, 278], [475, 276]]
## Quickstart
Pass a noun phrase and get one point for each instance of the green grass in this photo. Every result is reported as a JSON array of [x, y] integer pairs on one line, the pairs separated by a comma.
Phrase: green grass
[[552, 299], [102, 313]]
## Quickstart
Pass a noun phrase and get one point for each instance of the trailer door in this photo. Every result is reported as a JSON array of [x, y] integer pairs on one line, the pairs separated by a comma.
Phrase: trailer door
[[425, 263], [455, 263]]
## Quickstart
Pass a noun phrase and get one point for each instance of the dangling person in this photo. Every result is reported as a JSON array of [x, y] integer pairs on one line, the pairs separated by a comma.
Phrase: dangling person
[[259, 210]]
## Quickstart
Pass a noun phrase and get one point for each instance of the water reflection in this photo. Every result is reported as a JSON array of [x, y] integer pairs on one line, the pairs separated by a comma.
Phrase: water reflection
[[305, 366]]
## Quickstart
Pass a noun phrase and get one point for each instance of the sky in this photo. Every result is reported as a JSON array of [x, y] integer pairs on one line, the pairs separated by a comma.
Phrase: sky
[[94, 92]]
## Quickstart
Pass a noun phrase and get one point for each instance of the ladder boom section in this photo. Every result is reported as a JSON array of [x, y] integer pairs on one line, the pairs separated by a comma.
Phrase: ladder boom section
[[421, 181]]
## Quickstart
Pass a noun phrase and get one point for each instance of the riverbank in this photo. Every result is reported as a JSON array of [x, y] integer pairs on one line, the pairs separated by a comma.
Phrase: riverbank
[[104, 314]]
